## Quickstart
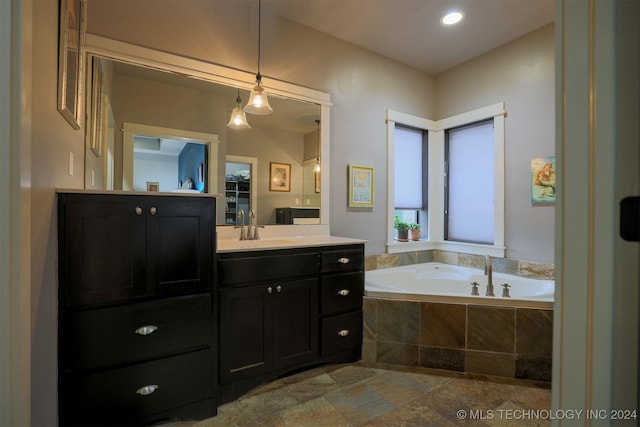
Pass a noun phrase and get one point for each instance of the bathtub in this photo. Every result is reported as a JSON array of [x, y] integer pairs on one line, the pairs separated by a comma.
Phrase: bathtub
[[437, 282]]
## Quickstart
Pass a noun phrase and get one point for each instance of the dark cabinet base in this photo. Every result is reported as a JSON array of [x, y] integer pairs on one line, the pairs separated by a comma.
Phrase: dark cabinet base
[[235, 390]]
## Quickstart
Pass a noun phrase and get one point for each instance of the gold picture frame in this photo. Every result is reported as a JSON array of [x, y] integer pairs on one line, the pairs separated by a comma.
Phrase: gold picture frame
[[360, 186], [279, 176], [153, 186], [71, 51]]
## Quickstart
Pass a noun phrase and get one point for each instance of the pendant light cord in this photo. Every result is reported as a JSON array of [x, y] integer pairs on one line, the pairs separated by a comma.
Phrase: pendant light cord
[[259, 77]]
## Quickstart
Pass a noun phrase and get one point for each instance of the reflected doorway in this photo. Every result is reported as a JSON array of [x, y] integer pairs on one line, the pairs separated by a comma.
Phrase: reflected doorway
[[240, 189]]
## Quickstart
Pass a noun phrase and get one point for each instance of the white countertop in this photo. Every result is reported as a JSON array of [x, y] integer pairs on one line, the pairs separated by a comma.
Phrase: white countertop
[[281, 237]]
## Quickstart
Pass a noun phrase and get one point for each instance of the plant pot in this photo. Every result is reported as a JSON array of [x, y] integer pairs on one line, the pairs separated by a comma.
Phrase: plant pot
[[403, 235], [414, 234]]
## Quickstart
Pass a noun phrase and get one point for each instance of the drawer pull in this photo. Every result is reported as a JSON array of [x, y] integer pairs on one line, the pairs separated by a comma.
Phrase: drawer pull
[[147, 390], [146, 330], [343, 292], [269, 290], [343, 260], [343, 333], [138, 210], [153, 210], [278, 288]]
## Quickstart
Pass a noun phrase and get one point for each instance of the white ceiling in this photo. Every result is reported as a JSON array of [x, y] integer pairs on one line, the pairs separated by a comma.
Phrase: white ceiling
[[409, 31]]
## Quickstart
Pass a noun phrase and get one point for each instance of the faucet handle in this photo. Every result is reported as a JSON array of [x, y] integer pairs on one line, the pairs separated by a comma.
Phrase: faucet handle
[[505, 290], [474, 288], [256, 236]]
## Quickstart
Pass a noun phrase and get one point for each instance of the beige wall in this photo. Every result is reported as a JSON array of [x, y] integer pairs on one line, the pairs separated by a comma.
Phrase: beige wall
[[52, 140], [521, 74]]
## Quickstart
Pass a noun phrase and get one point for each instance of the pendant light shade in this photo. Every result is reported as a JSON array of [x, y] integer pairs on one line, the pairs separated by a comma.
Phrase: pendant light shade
[[238, 119], [258, 102]]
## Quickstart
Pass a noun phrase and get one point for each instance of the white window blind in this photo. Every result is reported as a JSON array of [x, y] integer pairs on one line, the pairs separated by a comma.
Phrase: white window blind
[[408, 168], [470, 209]]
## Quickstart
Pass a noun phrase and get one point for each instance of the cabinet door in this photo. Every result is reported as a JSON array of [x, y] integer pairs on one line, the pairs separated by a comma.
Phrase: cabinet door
[[295, 322], [102, 249], [180, 244], [246, 325]]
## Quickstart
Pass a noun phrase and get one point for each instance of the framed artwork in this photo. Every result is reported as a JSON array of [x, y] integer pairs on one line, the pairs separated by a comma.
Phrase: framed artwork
[[279, 177], [71, 59], [153, 186], [360, 186], [543, 180], [97, 110]]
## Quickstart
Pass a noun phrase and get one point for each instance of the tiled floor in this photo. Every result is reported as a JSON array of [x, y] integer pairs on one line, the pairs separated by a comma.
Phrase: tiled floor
[[365, 394]]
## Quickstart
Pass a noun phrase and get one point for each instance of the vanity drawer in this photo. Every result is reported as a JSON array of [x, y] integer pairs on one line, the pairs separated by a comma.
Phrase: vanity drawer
[[343, 260], [110, 336], [341, 332], [341, 292], [273, 265], [117, 396]]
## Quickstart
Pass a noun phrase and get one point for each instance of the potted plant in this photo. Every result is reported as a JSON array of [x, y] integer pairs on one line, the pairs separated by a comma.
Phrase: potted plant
[[414, 231], [403, 229]]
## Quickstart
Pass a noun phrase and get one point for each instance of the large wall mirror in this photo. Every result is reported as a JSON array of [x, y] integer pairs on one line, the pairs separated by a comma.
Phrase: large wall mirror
[[158, 122]]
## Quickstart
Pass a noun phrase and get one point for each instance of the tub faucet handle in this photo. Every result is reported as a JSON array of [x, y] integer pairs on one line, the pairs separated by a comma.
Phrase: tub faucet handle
[[474, 288], [505, 290]]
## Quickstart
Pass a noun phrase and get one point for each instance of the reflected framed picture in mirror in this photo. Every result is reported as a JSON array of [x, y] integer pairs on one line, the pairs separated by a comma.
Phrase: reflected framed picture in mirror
[[279, 177], [71, 59]]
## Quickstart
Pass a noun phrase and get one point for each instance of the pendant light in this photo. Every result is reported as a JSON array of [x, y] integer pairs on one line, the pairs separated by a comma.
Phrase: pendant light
[[258, 102], [316, 168], [238, 119]]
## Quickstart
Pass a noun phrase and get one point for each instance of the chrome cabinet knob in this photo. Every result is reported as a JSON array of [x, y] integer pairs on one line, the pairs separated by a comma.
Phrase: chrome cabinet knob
[[153, 210], [343, 333], [278, 288], [147, 390], [146, 330], [138, 210], [343, 292], [269, 290], [343, 260]]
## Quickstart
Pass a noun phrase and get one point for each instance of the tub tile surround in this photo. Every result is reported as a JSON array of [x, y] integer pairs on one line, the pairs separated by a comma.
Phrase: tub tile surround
[[507, 342], [501, 341], [529, 269]]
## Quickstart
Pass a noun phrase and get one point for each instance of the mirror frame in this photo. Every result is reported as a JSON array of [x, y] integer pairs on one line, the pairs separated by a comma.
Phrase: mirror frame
[[146, 57]]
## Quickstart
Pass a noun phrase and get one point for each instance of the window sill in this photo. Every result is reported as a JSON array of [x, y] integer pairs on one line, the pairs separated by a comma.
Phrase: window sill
[[467, 248]]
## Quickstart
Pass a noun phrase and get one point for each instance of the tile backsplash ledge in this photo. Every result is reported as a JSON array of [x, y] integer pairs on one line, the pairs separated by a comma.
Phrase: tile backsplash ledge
[[531, 269]]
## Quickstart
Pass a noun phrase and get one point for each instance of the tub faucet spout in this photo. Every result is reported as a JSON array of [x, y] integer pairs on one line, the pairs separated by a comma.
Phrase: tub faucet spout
[[488, 271]]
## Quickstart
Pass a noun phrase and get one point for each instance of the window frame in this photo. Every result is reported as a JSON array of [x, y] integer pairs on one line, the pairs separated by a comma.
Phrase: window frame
[[436, 130]]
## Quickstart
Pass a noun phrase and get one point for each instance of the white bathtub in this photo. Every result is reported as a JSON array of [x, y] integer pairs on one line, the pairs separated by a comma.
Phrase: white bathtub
[[450, 283]]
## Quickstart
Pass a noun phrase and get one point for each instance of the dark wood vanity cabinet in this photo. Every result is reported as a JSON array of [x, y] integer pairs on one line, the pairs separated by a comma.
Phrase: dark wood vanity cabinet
[[282, 310], [137, 316], [267, 326]]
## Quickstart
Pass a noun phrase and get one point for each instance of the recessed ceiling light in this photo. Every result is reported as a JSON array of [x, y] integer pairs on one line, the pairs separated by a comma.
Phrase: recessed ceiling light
[[452, 17]]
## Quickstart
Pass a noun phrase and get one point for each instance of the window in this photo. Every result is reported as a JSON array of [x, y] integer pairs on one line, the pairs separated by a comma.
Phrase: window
[[411, 170], [461, 179], [469, 165]]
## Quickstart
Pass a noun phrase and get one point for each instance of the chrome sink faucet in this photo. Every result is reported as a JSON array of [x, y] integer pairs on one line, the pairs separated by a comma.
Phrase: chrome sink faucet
[[243, 236], [488, 271], [253, 235]]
